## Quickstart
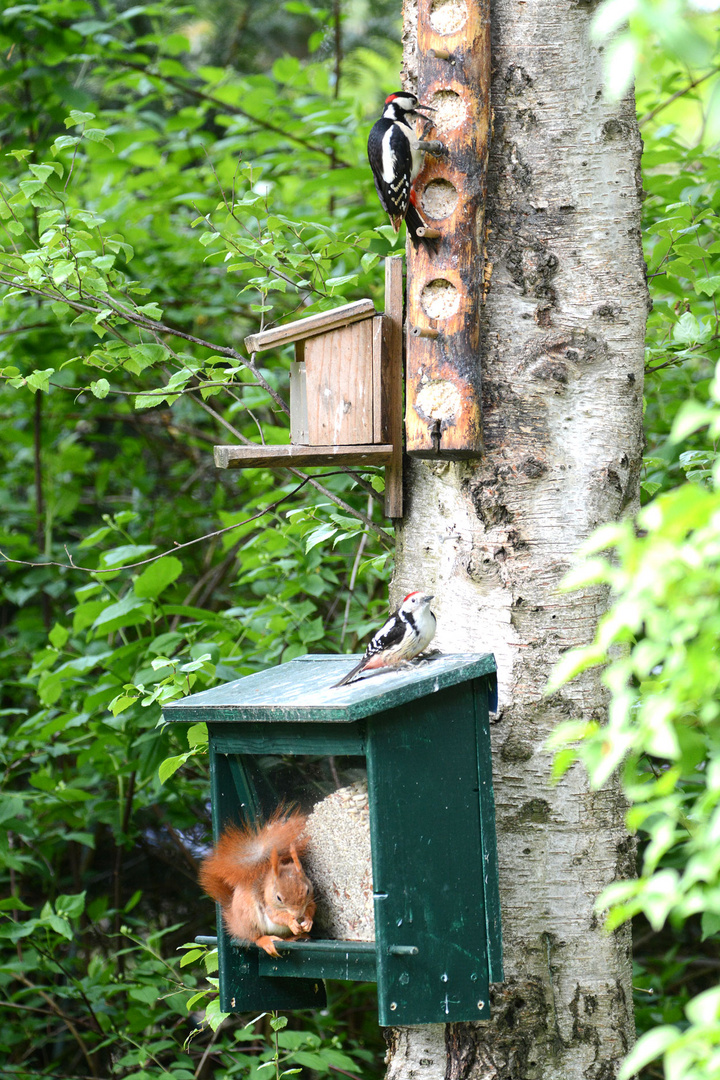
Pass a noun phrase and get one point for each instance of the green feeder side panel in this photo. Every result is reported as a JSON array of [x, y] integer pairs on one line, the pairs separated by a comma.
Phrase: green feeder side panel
[[430, 903]]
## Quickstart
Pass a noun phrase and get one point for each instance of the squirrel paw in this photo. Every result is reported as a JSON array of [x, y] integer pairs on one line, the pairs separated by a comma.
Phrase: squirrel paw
[[300, 927], [267, 942]]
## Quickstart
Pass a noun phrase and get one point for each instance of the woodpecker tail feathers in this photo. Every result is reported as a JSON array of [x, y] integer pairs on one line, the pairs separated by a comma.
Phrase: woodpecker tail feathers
[[351, 675], [414, 222]]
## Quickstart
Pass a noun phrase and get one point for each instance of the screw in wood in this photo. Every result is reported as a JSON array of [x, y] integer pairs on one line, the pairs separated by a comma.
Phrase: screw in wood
[[393, 1005], [481, 1004], [441, 54]]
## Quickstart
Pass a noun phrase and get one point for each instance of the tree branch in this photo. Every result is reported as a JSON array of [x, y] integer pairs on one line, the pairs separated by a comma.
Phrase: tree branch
[[673, 97], [226, 107]]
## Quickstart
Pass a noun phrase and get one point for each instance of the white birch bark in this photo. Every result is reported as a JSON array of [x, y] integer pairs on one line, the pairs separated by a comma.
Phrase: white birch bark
[[562, 412]]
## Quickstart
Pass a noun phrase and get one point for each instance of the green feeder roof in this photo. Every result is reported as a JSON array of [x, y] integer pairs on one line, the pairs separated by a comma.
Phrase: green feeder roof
[[303, 690]]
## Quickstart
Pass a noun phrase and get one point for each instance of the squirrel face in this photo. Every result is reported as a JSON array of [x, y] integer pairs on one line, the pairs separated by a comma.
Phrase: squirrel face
[[288, 894]]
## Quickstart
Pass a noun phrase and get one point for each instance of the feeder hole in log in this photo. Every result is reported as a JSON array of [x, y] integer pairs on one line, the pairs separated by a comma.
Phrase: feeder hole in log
[[440, 299], [448, 16]]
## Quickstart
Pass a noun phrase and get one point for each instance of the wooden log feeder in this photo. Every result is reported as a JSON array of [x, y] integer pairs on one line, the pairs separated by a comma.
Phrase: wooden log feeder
[[443, 387], [345, 390]]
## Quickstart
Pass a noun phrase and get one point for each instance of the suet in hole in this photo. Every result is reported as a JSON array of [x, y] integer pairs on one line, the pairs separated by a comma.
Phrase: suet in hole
[[450, 111], [448, 16], [439, 199], [439, 299], [438, 401]]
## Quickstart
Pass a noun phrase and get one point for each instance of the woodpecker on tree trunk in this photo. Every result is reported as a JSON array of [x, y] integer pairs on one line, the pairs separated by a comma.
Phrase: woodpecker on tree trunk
[[396, 156], [406, 634]]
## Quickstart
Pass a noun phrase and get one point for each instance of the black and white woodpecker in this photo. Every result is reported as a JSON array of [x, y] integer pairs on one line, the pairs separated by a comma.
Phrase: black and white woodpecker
[[396, 157], [406, 634]]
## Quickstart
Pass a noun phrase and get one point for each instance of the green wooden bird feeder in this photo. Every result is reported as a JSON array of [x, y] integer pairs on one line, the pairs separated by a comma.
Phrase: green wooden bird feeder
[[422, 735]]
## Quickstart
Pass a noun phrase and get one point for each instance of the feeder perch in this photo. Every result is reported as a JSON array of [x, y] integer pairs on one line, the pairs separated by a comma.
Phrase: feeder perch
[[422, 735], [345, 390]]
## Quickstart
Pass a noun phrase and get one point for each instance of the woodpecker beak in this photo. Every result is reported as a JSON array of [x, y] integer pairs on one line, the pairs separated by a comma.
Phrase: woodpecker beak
[[420, 110]]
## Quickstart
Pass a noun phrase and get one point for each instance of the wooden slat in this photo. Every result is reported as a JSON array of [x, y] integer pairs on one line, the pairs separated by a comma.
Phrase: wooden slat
[[381, 329], [298, 404], [314, 324], [280, 457], [392, 383], [339, 386]]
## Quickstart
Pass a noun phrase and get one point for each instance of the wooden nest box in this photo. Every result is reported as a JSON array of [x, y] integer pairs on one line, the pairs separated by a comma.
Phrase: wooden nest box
[[345, 390]]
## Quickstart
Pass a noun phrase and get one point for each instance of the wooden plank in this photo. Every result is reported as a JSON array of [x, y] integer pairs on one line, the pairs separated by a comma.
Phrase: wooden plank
[[303, 690], [280, 457], [339, 386], [443, 416], [427, 862], [380, 417], [392, 383], [298, 404], [313, 324]]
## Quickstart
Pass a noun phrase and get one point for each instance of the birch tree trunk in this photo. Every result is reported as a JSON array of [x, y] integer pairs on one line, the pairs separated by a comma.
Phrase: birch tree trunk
[[562, 369]]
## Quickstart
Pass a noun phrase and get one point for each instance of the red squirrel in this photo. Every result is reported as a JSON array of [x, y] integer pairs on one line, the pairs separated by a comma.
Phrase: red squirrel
[[255, 874]]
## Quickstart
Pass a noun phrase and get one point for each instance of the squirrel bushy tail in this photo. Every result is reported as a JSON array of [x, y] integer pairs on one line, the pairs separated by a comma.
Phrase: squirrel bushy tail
[[243, 852]]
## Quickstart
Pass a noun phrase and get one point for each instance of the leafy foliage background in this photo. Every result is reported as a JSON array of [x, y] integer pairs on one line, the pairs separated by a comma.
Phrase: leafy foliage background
[[167, 189], [173, 180]]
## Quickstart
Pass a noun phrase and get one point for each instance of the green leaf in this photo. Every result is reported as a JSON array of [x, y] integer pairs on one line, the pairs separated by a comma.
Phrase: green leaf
[[100, 388], [42, 172], [648, 1047], [40, 380], [170, 766], [126, 612], [157, 576], [58, 636], [77, 117], [688, 330], [691, 417], [126, 553]]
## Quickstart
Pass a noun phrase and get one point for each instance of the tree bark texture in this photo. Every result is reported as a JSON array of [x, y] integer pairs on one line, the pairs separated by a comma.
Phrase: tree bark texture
[[562, 367]]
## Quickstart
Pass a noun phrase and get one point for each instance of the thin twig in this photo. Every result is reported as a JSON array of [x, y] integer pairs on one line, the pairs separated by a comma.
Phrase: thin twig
[[235, 109], [353, 575], [71, 565], [673, 97]]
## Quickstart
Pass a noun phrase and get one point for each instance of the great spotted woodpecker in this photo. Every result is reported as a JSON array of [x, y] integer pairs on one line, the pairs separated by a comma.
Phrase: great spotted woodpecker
[[405, 635], [396, 157]]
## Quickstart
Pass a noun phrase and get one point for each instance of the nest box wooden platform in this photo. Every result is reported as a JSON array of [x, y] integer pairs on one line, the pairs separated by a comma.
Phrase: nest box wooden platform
[[424, 734], [345, 390]]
